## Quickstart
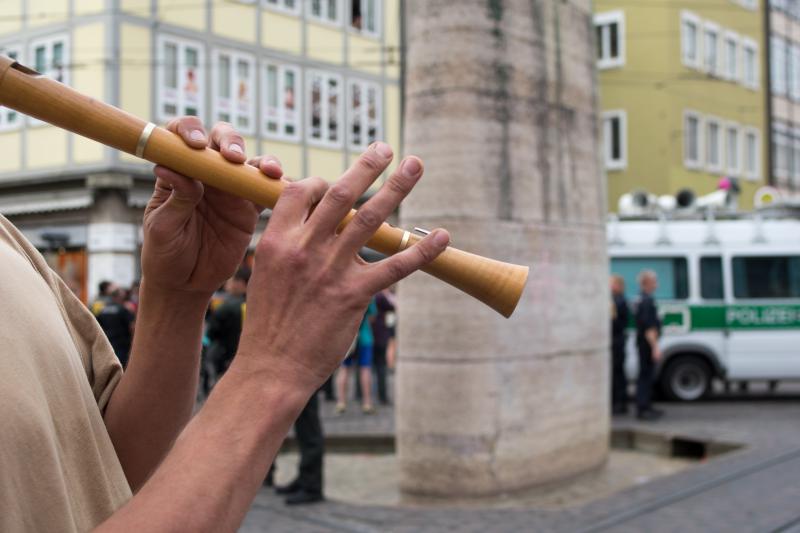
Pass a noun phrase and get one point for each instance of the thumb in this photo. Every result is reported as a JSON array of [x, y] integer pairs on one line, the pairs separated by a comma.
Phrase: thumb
[[186, 192]]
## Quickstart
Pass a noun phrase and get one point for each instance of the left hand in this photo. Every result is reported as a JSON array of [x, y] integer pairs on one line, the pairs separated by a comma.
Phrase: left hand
[[195, 236]]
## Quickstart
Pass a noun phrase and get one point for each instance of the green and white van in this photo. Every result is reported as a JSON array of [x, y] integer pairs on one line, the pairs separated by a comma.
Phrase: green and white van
[[728, 295]]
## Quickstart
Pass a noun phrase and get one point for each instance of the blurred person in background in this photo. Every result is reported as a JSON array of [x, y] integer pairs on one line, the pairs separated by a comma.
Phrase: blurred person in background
[[117, 323], [104, 289], [225, 322], [382, 334], [362, 357], [620, 315], [648, 331]]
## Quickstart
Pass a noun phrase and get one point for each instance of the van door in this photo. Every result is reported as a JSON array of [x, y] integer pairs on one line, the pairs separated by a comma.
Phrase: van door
[[764, 317]]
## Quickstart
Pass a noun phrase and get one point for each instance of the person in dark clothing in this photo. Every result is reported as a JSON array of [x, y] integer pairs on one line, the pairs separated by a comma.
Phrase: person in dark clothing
[[620, 315], [648, 330], [225, 322], [117, 323], [307, 486], [382, 333]]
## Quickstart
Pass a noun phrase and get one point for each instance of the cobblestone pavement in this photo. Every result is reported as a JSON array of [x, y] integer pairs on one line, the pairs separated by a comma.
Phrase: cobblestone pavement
[[756, 488]]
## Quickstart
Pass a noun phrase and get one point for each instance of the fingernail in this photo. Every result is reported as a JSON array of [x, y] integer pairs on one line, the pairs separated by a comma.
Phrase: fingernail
[[441, 238], [411, 167], [383, 149], [197, 135], [236, 148]]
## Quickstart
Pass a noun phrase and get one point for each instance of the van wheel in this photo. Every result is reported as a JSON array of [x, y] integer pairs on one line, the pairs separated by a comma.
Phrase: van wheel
[[687, 378]]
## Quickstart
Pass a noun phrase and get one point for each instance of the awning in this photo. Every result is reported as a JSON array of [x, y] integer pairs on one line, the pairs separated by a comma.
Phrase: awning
[[44, 202]]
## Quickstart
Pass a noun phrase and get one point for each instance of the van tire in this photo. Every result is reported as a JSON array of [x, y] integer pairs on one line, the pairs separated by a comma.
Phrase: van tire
[[686, 378]]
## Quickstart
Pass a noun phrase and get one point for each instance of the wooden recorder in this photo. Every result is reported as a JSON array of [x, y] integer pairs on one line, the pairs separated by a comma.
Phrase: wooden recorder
[[499, 285]]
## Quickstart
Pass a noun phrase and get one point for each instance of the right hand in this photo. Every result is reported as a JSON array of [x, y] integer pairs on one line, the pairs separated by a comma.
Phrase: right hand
[[309, 289], [656, 353]]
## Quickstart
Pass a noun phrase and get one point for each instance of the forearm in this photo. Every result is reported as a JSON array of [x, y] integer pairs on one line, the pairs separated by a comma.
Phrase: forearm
[[211, 475], [155, 398], [652, 337]]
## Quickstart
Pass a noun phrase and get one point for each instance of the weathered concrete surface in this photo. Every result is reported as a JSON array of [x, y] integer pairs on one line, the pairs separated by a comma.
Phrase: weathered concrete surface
[[501, 107]]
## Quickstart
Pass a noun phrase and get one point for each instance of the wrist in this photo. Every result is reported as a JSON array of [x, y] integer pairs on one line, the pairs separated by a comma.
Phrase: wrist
[[177, 299], [269, 385]]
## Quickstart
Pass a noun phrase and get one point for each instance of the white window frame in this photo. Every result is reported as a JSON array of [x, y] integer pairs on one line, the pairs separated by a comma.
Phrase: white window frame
[[325, 111], [794, 160], [280, 6], [603, 21], [363, 113], [782, 140], [689, 163], [756, 173], [621, 163], [687, 17], [324, 16], [363, 30], [179, 100], [232, 106], [778, 57], [710, 166], [731, 37], [735, 169], [713, 29], [281, 115], [10, 119], [793, 71], [750, 45]]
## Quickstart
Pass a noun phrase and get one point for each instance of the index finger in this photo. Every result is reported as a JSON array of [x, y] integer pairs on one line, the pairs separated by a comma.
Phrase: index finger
[[228, 141]]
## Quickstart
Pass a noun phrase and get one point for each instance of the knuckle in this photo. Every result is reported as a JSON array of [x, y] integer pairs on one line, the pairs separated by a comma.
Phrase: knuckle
[[425, 253], [293, 189], [367, 218], [341, 194], [370, 163], [398, 185]]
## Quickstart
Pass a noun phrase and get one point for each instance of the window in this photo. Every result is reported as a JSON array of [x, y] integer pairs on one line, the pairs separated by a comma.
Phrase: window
[[286, 6], [50, 57], [672, 272], [750, 71], [793, 71], [610, 31], [10, 119], [325, 11], [325, 106], [281, 118], [364, 111], [782, 151], [690, 39], [766, 277], [615, 139], [711, 287], [778, 59], [181, 78], [234, 88], [794, 160], [711, 62], [752, 161], [731, 56], [713, 145], [732, 149], [365, 16], [692, 151]]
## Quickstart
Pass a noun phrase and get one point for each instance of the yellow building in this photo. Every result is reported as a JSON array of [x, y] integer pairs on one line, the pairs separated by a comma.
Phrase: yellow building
[[310, 81], [682, 94]]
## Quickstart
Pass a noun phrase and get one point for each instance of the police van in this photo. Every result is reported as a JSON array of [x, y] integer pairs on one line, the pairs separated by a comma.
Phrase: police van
[[728, 294]]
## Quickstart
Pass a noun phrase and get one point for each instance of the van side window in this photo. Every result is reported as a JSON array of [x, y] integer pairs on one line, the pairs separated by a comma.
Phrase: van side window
[[766, 277], [711, 278], [672, 272]]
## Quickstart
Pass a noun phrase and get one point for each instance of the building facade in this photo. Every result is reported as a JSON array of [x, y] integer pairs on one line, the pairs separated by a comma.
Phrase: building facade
[[784, 75], [683, 95], [313, 82]]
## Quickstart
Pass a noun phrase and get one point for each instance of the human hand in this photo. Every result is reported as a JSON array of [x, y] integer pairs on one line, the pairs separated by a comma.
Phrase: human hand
[[309, 289], [196, 235], [656, 353]]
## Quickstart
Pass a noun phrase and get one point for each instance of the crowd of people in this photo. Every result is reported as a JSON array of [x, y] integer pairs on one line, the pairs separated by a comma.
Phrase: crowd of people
[[372, 351]]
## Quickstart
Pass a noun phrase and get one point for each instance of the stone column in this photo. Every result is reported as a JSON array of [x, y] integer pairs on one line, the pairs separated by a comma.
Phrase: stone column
[[501, 106]]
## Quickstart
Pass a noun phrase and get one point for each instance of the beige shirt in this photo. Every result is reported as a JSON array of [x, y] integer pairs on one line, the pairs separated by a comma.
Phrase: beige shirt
[[58, 469]]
